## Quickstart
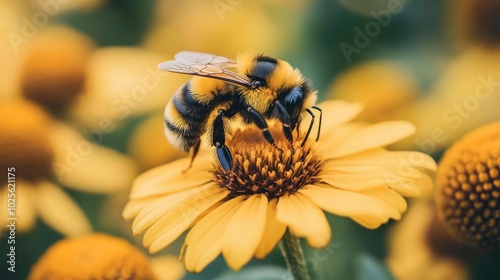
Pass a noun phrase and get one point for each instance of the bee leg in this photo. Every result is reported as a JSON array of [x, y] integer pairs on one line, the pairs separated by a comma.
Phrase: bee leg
[[285, 119], [262, 125], [287, 131], [194, 152], [320, 120], [219, 141], [310, 126], [297, 131]]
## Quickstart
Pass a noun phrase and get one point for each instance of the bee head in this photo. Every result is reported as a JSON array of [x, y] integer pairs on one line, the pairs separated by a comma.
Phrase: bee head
[[296, 99], [274, 79]]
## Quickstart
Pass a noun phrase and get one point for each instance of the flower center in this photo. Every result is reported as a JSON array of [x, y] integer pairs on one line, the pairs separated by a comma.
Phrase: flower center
[[54, 71], [25, 141], [261, 168], [469, 182]]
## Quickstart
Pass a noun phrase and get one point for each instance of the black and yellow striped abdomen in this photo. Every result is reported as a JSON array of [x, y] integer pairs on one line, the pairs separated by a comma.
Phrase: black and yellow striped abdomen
[[187, 113]]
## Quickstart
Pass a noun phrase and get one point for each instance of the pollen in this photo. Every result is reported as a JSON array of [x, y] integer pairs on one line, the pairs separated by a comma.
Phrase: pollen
[[24, 139], [469, 188], [95, 256], [54, 68], [261, 168]]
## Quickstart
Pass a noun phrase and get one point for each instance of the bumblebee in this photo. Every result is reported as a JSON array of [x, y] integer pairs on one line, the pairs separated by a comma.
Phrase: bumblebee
[[260, 89]]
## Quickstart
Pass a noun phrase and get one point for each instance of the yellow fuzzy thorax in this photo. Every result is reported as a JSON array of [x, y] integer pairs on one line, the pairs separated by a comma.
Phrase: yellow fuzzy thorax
[[283, 76]]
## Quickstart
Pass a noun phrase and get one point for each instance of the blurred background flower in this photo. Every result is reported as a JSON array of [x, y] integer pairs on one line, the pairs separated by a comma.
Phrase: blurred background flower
[[101, 256], [468, 194], [412, 255], [383, 87], [54, 65], [44, 153], [82, 74]]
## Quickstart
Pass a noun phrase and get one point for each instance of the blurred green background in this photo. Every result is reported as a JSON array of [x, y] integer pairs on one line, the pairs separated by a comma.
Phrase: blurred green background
[[84, 62]]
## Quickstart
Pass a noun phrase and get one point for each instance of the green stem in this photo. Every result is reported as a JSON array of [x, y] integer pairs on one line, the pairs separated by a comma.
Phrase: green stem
[[292, 252]]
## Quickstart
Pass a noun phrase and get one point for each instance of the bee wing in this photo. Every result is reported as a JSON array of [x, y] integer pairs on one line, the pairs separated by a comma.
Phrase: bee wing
[[205, 65], [206, 58]]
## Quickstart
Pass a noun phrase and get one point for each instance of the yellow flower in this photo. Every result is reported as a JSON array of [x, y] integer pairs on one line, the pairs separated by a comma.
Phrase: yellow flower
[[172, 31], [148, 145], [419, 248], [42, 151], [387, 86], [465, 97], [468, 186], [100, 256], [244, 212], [54, 67], [11, 12], [123, 82]]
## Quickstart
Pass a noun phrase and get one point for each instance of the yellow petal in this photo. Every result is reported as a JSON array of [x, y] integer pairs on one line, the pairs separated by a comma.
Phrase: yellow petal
[[330, 137], [122, 82], [421, 187], [368, 211], [25, 205], [410, 256], [273, 231], [148, 145], [244, 232], [372, 168], [133, 207], [152, 212], [174, 222], [406, 164], [22, 201], [204, 241], [304, 219], [362, 181], [389, 196], [335, 112], [59, 211], [373, 136], [406, 172], [86, 166], [167, 268], [3, 196], [169, 178]]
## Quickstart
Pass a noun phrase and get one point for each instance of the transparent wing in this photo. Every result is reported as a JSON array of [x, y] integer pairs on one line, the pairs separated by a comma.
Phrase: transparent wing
[[206, 58], [205, 65]]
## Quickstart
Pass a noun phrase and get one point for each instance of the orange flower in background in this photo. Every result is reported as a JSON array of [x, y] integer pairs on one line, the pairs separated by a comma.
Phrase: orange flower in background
[[123, 82], [218, 26], [148, 145], [468, 188], [96, 88], [386, 88], [42, 150], [100, 256], [66, 6], [10, 14], [347, 173], [465, 97], [54, 67], [419, 248]]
